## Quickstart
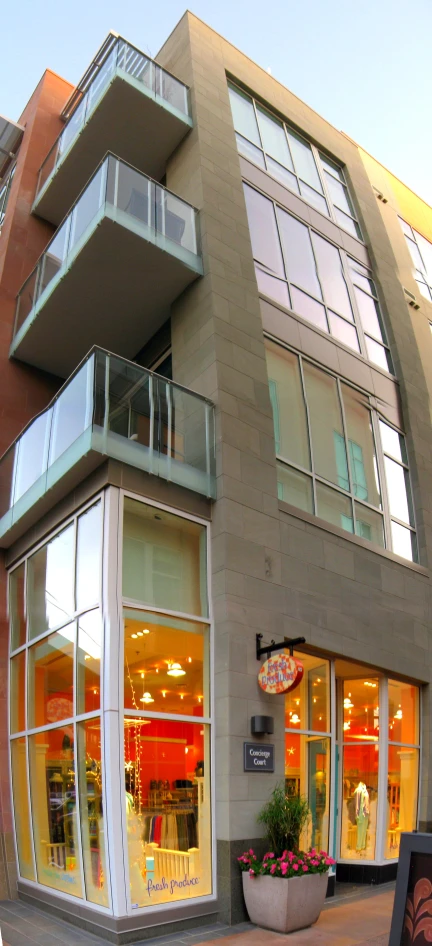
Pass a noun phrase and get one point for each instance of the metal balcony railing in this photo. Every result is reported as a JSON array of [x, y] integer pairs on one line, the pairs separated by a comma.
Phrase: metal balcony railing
[[118, 57], [114, 408], [129, 196]]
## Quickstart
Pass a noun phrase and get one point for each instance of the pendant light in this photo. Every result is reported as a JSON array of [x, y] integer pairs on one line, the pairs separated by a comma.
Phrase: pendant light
[[175, 670]]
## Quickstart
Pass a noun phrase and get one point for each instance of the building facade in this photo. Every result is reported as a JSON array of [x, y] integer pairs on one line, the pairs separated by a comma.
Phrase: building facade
[[216, 315]]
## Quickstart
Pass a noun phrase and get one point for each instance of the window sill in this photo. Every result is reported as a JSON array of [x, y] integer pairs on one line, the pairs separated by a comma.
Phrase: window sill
[[355, 539], [361, 358]]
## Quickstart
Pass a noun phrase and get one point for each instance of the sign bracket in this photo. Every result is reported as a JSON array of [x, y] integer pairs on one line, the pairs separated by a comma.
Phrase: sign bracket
[[273, 647]]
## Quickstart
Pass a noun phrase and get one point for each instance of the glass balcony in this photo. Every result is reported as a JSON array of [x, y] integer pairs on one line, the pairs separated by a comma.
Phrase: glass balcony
[[124, 253], [129, 106], [114, 408]]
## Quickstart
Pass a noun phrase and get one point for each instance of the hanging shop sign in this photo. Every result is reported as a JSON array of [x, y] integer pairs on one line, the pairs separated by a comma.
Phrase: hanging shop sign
[[280, 673], [258, 757]]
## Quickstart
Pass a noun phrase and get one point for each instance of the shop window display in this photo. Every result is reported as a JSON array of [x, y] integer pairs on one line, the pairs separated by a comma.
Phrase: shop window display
[[166, 675], [167, 802], [403, 763], [359, 801], [360, 767], [60, 834]]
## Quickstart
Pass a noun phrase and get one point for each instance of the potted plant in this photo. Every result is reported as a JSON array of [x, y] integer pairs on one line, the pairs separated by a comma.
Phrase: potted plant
[[285, 891]]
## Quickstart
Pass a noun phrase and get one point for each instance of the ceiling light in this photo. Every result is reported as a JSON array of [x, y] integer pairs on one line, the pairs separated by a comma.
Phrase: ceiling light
[[175, 670], [145, 630], [140, 633], [189, 660], [398, 715], [164, 692], [134, 636], [347, 702], [147, 698], [295, 718]]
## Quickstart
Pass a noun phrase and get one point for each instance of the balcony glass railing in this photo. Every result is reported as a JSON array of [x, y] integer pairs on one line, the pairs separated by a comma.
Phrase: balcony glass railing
[[129, 197], [122, 58], [117, 409]]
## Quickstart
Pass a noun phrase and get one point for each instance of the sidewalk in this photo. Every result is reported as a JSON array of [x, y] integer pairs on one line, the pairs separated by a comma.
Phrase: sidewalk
[[359, 918]]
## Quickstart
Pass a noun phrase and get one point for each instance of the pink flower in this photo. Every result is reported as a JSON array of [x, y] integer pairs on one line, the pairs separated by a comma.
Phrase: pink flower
[[251, 873], [328, 861], [305, 867], [284, 868], [295, 866], [251, 852], [270, 855], [272, 868]]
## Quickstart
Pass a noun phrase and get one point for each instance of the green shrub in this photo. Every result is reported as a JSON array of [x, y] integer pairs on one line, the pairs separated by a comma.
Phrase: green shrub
[[284, 818]]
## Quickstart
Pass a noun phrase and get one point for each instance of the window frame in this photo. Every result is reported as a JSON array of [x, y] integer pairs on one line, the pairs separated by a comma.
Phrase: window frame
[[119, 830], [71, 721], [316, 153], [375, 416], [5, 190], [426, 279], [346, 264]]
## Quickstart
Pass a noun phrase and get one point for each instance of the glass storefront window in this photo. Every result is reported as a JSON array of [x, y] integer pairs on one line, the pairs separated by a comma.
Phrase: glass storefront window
[[361, 709], [307, 772], [88, 558], [53, 793], [359, 802], [164, 559], [89, 654], [17, 692], [308, 705], [402, 790], [166, 664], [16, 607], [50, 583], [93, 829], [403, 712], [167, 784], [50, 678], [22, 813]]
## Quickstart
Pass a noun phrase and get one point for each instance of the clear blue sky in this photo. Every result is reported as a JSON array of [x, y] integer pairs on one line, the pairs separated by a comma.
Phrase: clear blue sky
[[365, 66]]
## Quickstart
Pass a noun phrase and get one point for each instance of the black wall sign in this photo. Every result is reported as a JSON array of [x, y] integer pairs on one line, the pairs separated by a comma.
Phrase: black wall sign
[[412, 911], [258, 757]]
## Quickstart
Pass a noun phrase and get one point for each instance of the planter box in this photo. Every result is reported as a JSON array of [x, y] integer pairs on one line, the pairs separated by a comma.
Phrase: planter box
[[284, 905]]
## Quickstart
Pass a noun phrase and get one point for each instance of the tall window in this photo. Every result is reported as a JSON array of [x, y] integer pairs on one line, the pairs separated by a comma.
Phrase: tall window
[[287, 156], [167, 706], [421, 255], [307, 746], [5, 190], [306, 273], [336, 458], [56, 640], [403, 762]]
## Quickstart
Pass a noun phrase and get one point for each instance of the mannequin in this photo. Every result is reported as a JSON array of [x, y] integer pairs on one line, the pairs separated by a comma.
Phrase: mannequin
[[361, 796]]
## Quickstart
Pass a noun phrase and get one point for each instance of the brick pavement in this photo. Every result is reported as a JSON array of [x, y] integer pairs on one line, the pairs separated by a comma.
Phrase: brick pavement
[[361, 919]]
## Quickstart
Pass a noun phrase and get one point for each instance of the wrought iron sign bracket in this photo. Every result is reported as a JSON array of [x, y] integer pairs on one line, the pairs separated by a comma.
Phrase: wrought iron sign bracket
[[272, 647]]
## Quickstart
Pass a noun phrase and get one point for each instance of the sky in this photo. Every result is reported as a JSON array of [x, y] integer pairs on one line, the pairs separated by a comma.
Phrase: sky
[[365, 67]]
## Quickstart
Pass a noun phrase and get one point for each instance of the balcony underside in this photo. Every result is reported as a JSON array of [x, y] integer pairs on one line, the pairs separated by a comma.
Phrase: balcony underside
[[129, 120], [91, 449], [115, 293]]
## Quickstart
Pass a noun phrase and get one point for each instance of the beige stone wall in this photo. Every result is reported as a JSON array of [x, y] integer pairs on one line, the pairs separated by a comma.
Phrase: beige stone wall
[[274, 570]]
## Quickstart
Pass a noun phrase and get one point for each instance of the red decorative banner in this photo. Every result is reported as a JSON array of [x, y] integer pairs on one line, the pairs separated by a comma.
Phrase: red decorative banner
[[280, 673]]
